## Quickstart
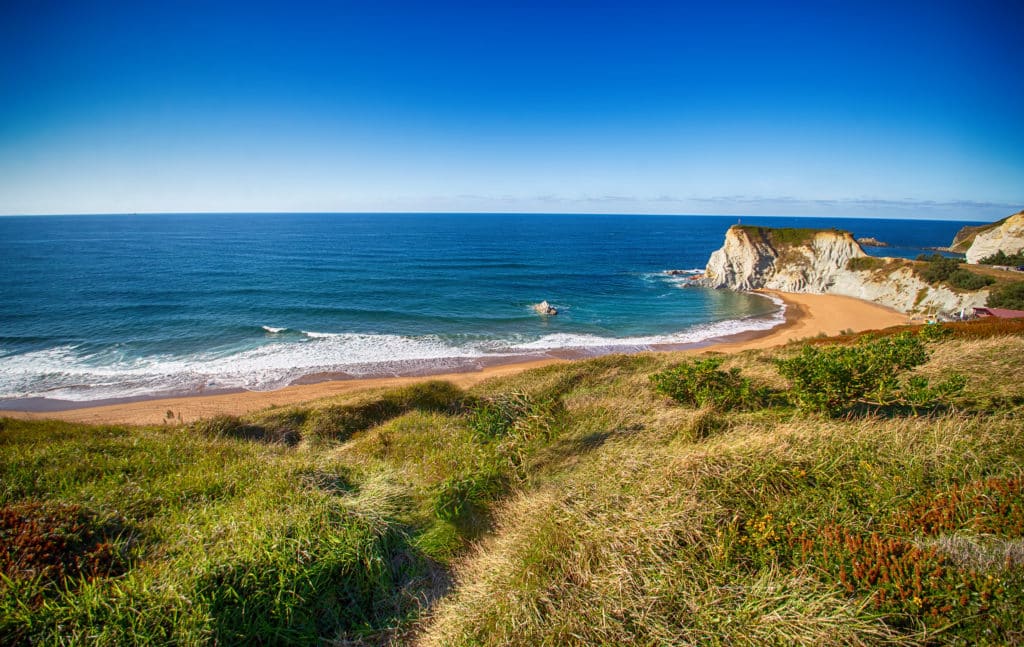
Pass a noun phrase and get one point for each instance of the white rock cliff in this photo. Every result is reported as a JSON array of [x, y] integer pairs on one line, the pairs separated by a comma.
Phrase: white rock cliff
[[1006, 236], [819, 262]]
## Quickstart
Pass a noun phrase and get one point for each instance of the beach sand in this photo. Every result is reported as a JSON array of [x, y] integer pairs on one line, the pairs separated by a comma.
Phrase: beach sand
[[807, 315]]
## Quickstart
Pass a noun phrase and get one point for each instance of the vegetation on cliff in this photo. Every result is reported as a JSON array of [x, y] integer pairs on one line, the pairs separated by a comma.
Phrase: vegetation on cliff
[[1008, 295], [1002, 258], [942, 269], [786, 236], [963, 238], [572, 504]]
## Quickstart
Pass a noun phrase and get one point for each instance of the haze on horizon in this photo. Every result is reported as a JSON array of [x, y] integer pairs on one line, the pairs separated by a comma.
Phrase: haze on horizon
[[826, 109]]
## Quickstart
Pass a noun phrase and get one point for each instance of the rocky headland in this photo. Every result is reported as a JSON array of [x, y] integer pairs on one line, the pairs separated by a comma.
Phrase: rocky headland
[[979, 242], [828, 262]]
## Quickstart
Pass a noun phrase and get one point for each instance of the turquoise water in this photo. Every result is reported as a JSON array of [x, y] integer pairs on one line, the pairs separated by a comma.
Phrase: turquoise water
[[99, 307]]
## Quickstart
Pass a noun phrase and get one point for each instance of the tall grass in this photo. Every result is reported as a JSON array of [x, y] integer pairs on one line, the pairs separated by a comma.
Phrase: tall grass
[[571, 504]]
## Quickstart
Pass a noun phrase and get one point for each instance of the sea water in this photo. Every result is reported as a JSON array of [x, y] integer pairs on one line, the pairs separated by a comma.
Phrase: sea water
[[101, 307]]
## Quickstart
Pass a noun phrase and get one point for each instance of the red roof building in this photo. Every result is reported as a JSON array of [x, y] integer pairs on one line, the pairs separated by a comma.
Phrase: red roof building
[[1000, 313]]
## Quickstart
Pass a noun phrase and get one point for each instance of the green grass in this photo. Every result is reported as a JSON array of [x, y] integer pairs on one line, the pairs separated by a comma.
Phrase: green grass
[[865, 263], [571, 504], [784, 236]]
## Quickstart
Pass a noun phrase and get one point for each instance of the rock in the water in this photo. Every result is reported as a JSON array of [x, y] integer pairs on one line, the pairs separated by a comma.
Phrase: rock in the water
[[870, 241], [545, 308]]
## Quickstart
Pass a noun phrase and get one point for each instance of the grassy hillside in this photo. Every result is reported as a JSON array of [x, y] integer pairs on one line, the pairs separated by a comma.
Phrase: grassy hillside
[[573, 504]]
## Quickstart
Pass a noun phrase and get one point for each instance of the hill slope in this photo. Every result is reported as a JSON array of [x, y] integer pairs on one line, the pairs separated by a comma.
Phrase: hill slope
[[569, 504]]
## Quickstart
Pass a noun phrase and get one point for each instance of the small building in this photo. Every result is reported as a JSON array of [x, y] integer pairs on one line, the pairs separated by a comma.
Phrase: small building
[[999, 313]]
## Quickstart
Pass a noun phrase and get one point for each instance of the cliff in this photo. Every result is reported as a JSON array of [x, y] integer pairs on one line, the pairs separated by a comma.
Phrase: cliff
[[826, 262], [1006, 235]]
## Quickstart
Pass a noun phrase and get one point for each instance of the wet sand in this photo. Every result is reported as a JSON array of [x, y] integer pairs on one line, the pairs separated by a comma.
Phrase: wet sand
[[807, 315]]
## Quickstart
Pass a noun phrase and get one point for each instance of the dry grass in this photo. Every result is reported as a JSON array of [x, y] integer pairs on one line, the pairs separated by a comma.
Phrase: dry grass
[[628, 549], [613, 516]]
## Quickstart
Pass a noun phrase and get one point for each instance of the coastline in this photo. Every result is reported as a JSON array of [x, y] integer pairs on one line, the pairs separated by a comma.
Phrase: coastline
[[807, 315]]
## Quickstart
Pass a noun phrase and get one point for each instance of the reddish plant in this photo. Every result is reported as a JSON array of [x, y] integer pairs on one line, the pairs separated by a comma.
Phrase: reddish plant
[[56, 541]]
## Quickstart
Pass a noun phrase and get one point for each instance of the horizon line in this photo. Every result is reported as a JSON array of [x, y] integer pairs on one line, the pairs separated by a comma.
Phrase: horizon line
[[470, 213]]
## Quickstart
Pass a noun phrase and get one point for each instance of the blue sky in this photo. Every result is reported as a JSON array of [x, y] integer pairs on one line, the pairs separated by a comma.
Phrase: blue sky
[[819, 108]]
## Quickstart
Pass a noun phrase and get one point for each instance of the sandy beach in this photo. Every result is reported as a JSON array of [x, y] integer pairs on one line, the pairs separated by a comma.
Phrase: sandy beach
[[807, 315]]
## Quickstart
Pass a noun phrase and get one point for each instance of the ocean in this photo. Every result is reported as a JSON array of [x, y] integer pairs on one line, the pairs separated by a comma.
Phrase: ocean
[[96, 308]]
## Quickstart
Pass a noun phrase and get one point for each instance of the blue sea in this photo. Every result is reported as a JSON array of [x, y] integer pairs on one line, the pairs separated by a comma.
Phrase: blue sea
[[95, 308]]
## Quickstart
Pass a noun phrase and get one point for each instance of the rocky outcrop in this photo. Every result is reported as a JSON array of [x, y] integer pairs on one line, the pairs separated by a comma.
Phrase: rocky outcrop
[[826, 262], [871, 241], [545, 308], [1006, 236]]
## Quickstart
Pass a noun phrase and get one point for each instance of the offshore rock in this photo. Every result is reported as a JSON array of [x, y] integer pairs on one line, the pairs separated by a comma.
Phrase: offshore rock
[[545, 308], [870, 241]]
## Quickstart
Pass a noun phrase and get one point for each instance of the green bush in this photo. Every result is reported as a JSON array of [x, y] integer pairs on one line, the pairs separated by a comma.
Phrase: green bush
[[834, 379], [965, 280], [863, 263], [1009, 295], [702, 383], [1002, 258], [939, 268], [942, 269]]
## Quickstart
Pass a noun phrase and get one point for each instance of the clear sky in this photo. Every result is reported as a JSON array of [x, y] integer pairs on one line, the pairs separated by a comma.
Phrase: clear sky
[[822, 108]]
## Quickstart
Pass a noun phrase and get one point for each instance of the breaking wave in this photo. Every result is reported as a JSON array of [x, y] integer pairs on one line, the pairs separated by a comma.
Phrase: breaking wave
[[70, 373]]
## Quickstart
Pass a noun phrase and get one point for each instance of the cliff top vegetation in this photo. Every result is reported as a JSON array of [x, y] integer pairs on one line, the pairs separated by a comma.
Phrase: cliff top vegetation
[[786, 236]]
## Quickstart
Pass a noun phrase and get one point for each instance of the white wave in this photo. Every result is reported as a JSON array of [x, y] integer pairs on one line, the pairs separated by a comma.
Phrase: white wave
[[67, 373], [320, 335], [272, 330], [699, 333]]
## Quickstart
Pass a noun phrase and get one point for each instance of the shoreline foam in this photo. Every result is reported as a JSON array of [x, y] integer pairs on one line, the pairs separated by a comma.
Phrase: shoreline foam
[[806, 316], [59, 378]]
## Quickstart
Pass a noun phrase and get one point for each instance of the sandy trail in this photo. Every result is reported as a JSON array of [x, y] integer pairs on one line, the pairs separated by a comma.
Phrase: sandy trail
[[807, 315]]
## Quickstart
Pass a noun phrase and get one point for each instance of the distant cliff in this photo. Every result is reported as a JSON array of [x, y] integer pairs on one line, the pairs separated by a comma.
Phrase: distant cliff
[[826, 262], [978, 242]]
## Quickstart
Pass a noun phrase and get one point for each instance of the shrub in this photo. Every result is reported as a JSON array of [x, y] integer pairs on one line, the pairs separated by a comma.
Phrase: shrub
[[942, 269], [863, 263], [833, 379], [1002, 258], [915, 575], [57, 542], [938, 268], [1009, 295], [965, 280], [993, 506], [702, 383]]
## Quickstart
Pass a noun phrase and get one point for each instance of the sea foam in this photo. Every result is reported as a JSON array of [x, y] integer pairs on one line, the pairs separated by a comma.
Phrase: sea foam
[[70, 373]]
